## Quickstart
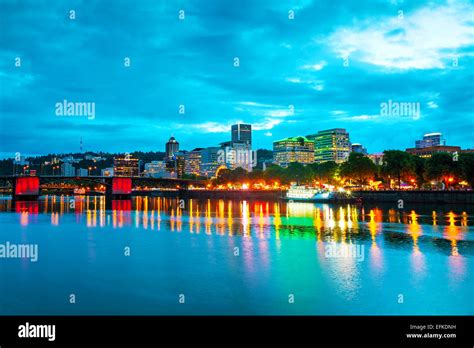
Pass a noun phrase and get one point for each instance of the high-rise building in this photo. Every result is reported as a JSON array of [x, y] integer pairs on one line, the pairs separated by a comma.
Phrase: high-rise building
[[67, 169], [429, 140], [180, 158], [296, 149], [331, 145], [209, 164], [172, 146], [155, 169], [193, 162], [358, 148], [235, 154], [126, 166], [242, 133]]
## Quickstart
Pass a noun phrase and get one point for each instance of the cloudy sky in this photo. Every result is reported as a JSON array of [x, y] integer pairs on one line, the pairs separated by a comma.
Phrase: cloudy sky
[[303, 66]]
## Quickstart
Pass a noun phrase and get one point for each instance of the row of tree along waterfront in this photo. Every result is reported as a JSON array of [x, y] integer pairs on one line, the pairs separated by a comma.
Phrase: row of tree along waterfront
[[399, 170]]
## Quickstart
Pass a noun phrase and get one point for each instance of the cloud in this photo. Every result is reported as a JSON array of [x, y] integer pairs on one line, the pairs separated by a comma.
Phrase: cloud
[[209, 127], [428, 38], [268, 123], [360, 118], [432, 105], [316, 67], [280, 113]]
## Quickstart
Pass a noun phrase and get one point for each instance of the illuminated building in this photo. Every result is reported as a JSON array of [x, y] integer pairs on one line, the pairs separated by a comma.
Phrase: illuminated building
[[209, 162], [358, 148], [235, 154], [242, 133], [193, 162], [429, 151], [331, 145], [180, 159], [296, 149], [430, 140], [172, 146], [126, 166], [67, 169], [155, 169]]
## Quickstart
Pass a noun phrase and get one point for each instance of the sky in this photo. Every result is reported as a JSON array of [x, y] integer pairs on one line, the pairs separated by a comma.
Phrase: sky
[[190, 69]]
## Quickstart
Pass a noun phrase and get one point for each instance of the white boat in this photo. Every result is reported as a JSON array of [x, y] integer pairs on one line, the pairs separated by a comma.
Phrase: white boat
[[314, 194]]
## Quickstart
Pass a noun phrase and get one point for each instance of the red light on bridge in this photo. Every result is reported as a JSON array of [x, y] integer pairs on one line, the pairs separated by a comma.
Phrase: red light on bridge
[[27, 207], [121, 186], [122, 205], [26, 186]]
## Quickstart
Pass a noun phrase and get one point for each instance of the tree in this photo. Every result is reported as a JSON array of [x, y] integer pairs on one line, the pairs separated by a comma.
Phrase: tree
[[275, 173], [440, 167], [326, 171], [466, 167], [239, 174], [256, 175], [359, 168], [295, 172], [398, 164], [419, 164], [223, 177]]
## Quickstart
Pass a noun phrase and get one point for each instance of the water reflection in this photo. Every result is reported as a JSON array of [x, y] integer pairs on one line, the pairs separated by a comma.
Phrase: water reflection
[[282, 246], [346, 224], [219, 216]]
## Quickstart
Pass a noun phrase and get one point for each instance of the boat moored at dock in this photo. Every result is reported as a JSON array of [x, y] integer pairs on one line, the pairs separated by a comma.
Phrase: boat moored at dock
[[314, 194]]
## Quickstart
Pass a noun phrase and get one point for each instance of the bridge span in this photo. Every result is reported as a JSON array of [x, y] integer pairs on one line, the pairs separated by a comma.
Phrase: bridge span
[[31, 187]]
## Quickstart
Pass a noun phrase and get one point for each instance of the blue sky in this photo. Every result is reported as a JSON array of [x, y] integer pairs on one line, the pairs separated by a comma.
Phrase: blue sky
[[404, 51]]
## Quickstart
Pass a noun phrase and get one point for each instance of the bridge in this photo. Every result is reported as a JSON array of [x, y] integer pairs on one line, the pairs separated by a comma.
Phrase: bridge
[[31, 187]]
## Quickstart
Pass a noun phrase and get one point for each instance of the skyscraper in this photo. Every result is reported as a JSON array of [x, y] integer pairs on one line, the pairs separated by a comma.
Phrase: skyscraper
[[172, 146], [234, 154], [180, 160], [209, 162], [296, 149], [193, 161], [242, 133], [331, 145], [430, 139]]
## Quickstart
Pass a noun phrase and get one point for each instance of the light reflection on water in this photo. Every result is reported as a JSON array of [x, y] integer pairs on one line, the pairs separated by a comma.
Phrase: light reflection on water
[[273, 238]]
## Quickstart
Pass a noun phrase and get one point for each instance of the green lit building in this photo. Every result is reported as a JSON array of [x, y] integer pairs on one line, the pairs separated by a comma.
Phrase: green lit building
[[331, 145], [296, 149]]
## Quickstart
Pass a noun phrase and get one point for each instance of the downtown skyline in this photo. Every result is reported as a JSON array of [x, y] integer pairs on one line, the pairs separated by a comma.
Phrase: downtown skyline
[[291, 77]]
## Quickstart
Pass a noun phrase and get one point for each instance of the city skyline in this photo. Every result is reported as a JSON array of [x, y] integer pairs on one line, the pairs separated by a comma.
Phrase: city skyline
[[163, 147], [291, 76]]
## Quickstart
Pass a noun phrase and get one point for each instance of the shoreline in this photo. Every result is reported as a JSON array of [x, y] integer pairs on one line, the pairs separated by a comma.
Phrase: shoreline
[[393, 197]]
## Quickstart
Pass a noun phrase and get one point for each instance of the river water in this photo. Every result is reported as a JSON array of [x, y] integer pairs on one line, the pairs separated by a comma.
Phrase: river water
[[153, 256]]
